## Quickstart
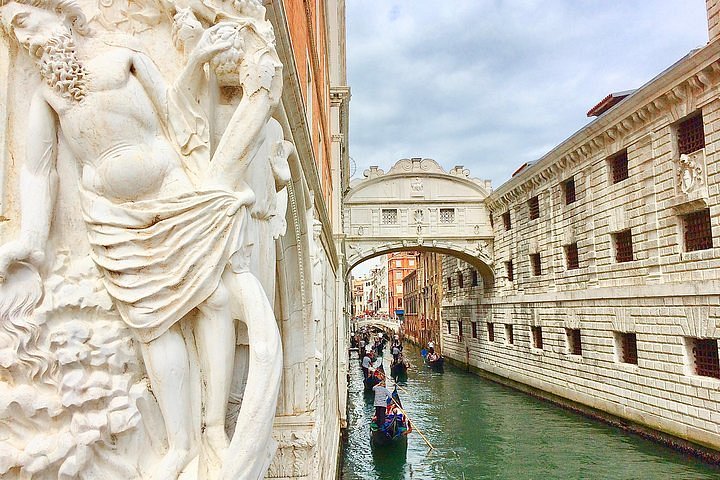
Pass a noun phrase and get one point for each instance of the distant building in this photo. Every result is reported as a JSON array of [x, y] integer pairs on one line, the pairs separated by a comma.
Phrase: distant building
[[399, 264], [423, 324]]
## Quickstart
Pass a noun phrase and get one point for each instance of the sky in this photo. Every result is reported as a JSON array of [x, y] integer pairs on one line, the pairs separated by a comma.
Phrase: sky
[[492, 84]]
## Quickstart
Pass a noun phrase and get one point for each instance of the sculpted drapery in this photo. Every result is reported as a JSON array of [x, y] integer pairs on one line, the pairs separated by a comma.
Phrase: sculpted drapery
[[176, 209]]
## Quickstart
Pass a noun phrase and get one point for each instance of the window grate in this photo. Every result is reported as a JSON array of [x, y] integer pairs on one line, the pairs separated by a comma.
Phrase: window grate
[[698, 232], [449, 283], [572, 256], [569, 187], [534, 206], [461, 281], [619, 167], [506, 220], [473, 327], [691, 135], [389, 216], [537, 337], [574, 341], [449, 327], [535, 262], [447, 215], [705, 354], [491, 331], [509, 270], [460, 328], [628, 344], [623, 246], [474, 279], [509, 334]]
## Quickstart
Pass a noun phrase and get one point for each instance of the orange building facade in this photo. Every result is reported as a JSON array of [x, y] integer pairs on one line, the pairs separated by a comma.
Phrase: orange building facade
[[399, 264]]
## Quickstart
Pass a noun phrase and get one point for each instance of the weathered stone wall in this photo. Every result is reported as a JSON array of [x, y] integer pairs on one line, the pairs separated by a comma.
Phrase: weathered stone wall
[[666, 296]]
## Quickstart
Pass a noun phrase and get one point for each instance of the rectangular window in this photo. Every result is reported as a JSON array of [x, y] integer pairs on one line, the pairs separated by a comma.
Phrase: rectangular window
[[618, 164], [398, 274], [691, 135], [506, 220], [697, 231], [534, 207], [473, 327], [474, 278], [623, 246], [537, 337], [574, 342], [571, 256], [535, 264], [448, 327], [460, 280], [412, 262], [491, 331], [449, 283], [509, 270], [626, 345], [460, 329], [509, 334], [398, 263], [705, 356], [447, 215], [569, 189], [389, 216]]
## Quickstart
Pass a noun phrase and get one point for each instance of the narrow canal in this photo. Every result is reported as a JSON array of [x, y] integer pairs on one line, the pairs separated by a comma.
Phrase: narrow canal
[[482, 430]]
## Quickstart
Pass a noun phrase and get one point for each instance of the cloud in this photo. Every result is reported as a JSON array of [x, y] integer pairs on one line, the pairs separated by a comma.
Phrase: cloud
[[491, 84]]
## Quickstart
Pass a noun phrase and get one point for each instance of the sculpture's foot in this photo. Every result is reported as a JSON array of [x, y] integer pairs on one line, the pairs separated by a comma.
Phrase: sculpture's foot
[[171, 465], [214, 445]]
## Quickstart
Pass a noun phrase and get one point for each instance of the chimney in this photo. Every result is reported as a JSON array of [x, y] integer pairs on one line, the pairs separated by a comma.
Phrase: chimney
[[713, 15]]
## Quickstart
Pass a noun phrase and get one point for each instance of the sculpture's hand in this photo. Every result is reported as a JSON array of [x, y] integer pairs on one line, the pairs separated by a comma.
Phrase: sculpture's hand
[[18, 251], [214, 40]]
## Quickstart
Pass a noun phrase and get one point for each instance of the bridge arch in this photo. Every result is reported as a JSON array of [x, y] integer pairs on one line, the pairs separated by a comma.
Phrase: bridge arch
[[418, 206]]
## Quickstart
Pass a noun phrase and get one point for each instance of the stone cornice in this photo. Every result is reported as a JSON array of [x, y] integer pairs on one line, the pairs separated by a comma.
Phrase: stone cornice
[[691, 76]]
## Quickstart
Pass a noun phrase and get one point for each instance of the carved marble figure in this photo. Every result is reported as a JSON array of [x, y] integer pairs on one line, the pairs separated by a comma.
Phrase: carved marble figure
[[172, 220]]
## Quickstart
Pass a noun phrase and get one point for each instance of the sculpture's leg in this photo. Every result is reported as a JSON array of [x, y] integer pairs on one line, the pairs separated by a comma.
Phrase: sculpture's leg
[[215, 339], [166, 361], [252, 446]]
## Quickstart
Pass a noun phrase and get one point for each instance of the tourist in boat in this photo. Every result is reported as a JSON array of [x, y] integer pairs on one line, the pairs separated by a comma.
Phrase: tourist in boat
[[395, 352], [366, 363]]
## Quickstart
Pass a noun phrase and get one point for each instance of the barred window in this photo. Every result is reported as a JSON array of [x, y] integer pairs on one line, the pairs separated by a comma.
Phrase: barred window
[[691, 135], [389, 216], [509, 334], [571, 256], [460, 329], [569, 189], [509, 270], [506, 220], [473, 326], [574, 341], [705, 356], [537, 337], [447, 215], [460, 280], [619, 166], [491, 331], [535, 263], [449, 283], [449, 327], [697, 230], [534, 206], [474, 278], [623, 246], [627, 347]]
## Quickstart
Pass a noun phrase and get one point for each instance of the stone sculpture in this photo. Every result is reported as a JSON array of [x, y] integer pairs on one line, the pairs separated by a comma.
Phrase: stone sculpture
[[176, 225]]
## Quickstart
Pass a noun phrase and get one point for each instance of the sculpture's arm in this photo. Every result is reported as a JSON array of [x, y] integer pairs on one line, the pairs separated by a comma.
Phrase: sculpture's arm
[[38, 186]]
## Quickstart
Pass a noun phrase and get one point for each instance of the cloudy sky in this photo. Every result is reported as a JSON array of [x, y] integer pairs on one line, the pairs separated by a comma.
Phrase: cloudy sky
[[491, 84]]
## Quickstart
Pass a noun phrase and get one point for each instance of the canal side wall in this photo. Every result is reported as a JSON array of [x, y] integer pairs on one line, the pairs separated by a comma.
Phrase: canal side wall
[[608, 264]]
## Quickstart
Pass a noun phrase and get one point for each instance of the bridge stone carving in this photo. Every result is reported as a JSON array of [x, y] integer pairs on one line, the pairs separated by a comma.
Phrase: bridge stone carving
[[417, 205]]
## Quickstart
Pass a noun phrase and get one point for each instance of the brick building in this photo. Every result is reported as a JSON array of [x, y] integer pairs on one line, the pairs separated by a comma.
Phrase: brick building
[[399, 264]]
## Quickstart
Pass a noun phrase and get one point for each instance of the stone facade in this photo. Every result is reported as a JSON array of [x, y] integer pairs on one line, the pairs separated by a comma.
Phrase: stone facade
[[607, 256], [424, 325]]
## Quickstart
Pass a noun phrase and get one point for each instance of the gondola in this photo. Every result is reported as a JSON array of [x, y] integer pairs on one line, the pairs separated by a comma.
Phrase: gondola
[[436, 364], [374, 379], [399, 368], [396, 427]]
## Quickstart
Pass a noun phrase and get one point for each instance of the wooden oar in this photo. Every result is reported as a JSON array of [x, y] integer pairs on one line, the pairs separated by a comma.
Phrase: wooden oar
[[415, 427]]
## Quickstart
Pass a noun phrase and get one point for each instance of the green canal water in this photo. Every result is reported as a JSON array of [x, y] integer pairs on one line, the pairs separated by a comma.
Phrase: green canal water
[[482, 430]]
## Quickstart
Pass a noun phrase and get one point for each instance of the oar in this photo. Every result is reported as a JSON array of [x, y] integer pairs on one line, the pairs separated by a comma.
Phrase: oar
[[415, 427]]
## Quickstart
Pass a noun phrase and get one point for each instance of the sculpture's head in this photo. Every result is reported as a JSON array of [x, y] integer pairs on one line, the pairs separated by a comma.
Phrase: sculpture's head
[[36, 23]]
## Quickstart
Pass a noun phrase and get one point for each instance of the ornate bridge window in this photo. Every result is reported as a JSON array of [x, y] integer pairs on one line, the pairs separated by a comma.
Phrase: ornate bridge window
[[447, 215], [389, 216]]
